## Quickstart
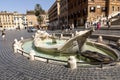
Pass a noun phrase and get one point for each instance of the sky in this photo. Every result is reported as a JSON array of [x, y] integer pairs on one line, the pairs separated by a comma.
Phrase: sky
[[22, 6]]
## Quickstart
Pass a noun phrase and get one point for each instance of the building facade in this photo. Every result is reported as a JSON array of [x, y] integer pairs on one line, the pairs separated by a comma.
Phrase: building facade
[[31, 19], [54, 15], [6, 20], [20, 21], [77, 12], [63, 12], [12, 20], [113, 6]]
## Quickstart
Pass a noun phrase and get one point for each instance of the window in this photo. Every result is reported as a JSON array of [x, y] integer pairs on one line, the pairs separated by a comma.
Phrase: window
[[78, 13], [118, 8], [112, 8], [85, 0], [74, 4], [92, 9], [84, 11], [103, 9], [78, 2]]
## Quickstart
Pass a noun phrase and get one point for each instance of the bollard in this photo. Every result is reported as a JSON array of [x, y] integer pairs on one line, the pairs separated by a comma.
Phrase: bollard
[[118, 42], [72, 63], [61, 36], [101, 65], [72, 35], [15, 40], [21, 38], [53, 34], [100, 39], [32, 54], [15, 47], [54, 41], [33, 36]]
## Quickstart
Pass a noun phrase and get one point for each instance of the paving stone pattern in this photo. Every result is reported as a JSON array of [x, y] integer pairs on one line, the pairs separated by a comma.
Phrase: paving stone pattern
[[17, 67]]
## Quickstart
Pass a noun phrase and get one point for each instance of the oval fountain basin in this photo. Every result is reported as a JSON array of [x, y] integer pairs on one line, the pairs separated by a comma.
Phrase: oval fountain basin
[[27, 46]]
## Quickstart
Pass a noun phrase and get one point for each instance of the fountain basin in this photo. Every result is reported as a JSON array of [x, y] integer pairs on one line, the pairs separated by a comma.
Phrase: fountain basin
[[99, 48], [50, 47]]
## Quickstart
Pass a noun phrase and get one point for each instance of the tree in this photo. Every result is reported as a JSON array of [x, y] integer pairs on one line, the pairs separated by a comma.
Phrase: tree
[[38, 11], [39, 19]]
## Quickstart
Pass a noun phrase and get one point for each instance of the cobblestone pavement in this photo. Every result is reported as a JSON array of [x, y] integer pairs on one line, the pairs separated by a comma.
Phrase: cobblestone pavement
[[17, 67]]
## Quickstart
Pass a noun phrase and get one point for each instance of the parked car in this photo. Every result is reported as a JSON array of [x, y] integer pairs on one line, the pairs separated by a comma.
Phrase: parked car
[[31, 29]]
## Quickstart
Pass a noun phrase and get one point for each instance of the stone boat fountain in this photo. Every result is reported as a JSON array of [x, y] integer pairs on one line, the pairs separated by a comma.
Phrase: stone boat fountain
[[84, 50], [42, 37]]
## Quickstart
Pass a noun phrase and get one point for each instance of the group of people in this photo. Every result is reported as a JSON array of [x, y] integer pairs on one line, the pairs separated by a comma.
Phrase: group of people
[[108, 24], [99, 24], [67, 27]]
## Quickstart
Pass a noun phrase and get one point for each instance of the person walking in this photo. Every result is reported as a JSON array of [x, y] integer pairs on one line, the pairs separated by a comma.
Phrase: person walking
[[98, 26], [109, 24], [86, 25], [3, 34]]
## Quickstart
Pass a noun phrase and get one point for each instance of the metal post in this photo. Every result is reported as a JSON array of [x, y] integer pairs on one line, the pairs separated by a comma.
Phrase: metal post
[[47, 60], [101, 65]]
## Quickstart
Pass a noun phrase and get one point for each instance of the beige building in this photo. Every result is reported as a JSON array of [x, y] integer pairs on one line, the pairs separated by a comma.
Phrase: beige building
[[31, 19], [12, 20], [6, 20], [16, 20]]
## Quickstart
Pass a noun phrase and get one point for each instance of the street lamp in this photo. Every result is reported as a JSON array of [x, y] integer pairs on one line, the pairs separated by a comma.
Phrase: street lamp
[[58, 12]]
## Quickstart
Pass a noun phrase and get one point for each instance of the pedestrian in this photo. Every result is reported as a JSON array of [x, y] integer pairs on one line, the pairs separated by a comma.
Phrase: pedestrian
[[109, 24], [3, 34], [86, 25], [95, 25], [63, 28], [98, 25], [66, 28]]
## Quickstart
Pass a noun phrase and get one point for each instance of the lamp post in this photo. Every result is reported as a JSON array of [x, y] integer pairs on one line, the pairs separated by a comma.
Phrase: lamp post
[[67, 10], [18, 26], [58, 12]]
